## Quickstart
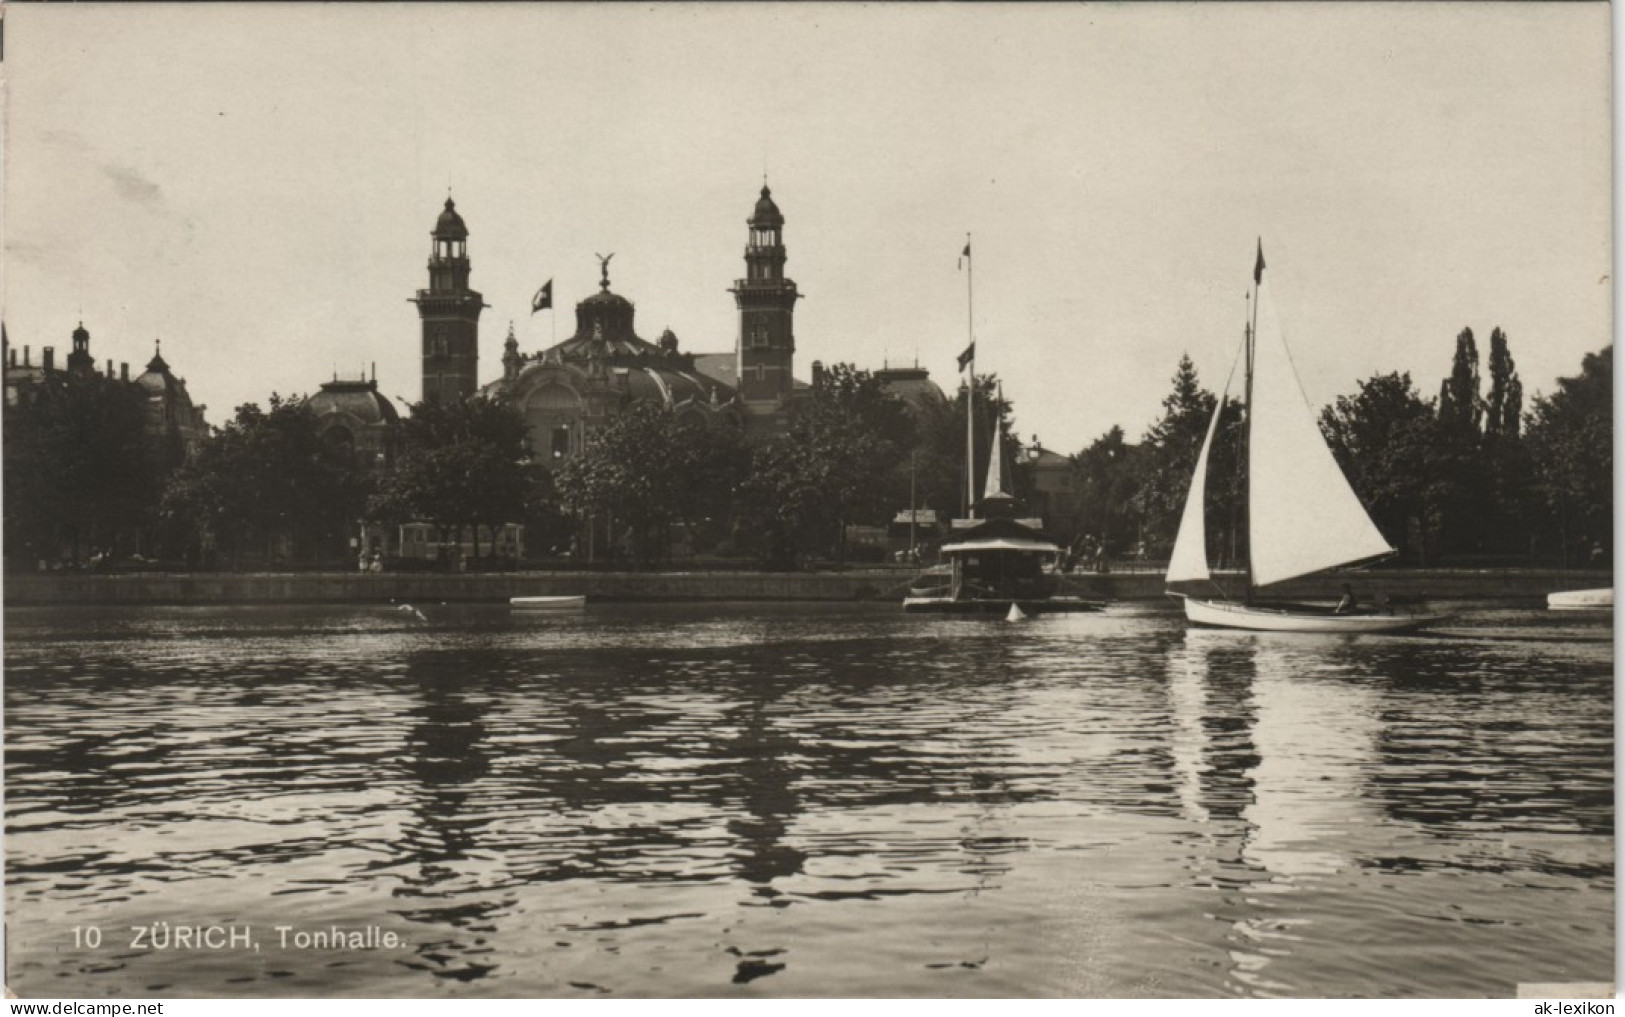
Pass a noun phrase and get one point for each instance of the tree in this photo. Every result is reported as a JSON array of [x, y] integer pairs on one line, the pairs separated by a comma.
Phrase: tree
[[842, 461], [646, 469], [78, 468], [1169, 451], [1109, 476], [1505, 463], [1570, 437], [1503, 407], [1389, 442], [782, 505], [940, 445], [268, 479], [460, 463], [1459, 406], [1465, 527]]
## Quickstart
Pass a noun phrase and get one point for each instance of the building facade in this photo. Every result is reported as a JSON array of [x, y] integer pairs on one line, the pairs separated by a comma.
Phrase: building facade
[[352, 414], [567, 391]]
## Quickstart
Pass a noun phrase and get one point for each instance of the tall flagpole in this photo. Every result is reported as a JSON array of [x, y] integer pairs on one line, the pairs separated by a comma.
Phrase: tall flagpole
[[970, 386]]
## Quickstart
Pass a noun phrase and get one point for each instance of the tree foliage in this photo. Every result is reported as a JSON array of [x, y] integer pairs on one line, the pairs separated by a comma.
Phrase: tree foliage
[[268, 481], [646, 469], [459, 463], [1108, 474], [1168, 457], [1503, 406], [1389, 442], [941, 442], [842, 461], [78, 469], [1460, 409], [1571, 446]]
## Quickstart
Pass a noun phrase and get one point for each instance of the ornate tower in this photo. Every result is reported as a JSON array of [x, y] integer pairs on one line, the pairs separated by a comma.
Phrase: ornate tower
[[451, 314], [511, 360], [767, 303], [80, 360]]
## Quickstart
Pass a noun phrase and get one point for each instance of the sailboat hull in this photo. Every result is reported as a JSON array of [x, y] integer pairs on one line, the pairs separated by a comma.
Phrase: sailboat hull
[[1230, 615]]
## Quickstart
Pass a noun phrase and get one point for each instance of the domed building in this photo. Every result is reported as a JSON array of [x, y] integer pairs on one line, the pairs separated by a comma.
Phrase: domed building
[[170, 413], [567, 390], [353, 414], [913, 385]]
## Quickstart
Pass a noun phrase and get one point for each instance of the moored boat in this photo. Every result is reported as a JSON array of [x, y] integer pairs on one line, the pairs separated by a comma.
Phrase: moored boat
[[991, 566], [559, 603], [997, 564], [1302, 515], [1582, 600]]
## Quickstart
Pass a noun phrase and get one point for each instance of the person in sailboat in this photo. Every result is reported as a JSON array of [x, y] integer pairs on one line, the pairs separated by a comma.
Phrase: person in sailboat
[[1349, 604]]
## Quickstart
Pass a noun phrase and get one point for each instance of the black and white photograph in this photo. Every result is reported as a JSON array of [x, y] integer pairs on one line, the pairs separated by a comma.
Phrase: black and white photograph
[[780, 501]]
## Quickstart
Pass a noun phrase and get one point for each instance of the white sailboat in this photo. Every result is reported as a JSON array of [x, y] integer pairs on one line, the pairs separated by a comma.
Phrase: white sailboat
[[1302, 516]]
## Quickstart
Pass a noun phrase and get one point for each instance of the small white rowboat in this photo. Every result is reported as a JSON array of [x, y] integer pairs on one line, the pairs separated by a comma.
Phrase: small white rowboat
[[1582, 600], [548, 603]]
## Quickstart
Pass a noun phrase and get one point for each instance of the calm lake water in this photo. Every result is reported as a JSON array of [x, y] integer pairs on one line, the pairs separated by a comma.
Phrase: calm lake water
[[804, 800]]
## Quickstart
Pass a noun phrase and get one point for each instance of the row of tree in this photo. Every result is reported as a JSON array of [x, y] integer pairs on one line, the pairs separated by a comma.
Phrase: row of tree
[[269, 488], [853, 453], [1465, 477]]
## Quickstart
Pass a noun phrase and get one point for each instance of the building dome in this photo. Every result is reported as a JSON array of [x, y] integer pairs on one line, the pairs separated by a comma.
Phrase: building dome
[[357, 401], [913, 385], [450, 225], [604, 328], [158, 380], [573, 387], [767, 213]]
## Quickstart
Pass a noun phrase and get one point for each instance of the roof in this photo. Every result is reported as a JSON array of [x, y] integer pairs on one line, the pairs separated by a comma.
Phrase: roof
[[671, 380], [450, 225], [724, 367], [1045, 459], [158, 380], [358, 399], [1001, 535], [766, 212], [913, 385]]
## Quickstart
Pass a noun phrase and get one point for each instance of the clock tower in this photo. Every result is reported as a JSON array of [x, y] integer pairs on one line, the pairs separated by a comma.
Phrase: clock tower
[[767, 303], [450, 312]]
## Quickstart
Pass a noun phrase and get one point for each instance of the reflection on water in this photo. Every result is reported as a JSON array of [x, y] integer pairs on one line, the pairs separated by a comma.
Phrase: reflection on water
[[819, 800]]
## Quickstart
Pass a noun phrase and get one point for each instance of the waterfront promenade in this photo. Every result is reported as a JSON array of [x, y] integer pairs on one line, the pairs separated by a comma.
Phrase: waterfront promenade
[[876, 584]]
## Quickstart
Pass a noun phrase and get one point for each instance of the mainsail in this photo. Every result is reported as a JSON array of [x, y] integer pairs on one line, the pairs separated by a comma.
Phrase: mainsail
[[1302, 515]]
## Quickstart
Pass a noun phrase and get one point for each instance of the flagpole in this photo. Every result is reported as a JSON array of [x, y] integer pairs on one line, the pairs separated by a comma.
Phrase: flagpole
[[970, 386]]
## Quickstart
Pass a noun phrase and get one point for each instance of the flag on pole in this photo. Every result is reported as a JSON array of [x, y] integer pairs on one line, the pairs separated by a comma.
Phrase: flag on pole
[[543, 298], [1258, 269], [964, 254], [969, 355]]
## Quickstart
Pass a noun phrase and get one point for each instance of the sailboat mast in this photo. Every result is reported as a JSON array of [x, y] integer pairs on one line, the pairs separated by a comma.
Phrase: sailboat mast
[[1236, 503], [970, 386], [1247, 439]]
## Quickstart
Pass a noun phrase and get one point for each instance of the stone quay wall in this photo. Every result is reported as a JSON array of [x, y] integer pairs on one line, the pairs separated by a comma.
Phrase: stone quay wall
[[881, 585]]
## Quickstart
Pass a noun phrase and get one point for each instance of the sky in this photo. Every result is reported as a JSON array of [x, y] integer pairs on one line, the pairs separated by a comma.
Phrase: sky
[[255, 185]]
